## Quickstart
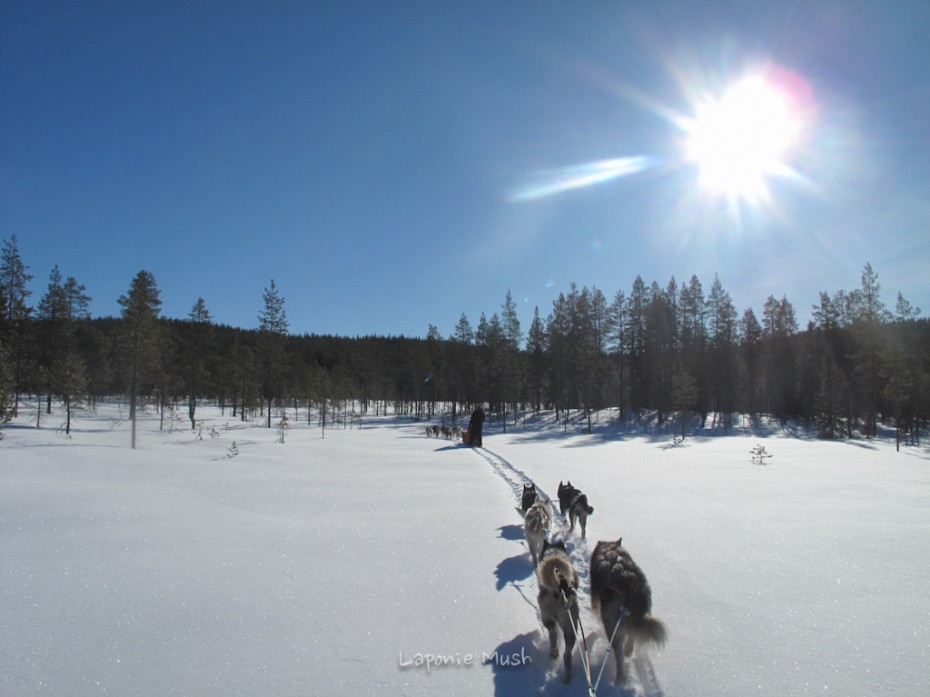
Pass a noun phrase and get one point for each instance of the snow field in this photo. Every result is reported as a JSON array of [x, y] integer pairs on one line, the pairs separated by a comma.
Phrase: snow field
[[380, 561]]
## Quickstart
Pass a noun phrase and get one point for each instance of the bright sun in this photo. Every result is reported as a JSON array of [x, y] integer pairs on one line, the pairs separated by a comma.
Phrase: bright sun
[[742, 138]]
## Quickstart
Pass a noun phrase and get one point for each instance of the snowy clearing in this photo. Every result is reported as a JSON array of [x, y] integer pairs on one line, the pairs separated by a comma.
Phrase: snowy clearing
[[377, 560]]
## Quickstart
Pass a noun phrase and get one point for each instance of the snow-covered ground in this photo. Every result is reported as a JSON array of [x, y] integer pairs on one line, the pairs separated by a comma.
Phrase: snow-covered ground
[[350, 564]]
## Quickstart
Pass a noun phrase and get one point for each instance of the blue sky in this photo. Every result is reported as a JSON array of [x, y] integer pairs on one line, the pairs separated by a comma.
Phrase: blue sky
[[369, 156]]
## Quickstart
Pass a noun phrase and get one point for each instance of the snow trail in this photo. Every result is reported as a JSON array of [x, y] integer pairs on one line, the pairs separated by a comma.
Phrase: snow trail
[[578, 550]]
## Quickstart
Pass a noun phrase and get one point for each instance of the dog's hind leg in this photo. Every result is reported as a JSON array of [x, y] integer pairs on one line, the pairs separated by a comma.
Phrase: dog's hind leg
[[568, 631], [618, 659], [553, 638]]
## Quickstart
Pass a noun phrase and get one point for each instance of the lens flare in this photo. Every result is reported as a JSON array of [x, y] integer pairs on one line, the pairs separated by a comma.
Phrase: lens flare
[[556, 181]]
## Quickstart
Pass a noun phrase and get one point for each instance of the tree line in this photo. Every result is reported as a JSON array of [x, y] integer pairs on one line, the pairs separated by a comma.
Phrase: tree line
[[672, 351]]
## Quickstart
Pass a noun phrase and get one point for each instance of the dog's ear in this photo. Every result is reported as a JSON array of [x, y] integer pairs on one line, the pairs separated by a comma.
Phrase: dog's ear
[[619, 541]]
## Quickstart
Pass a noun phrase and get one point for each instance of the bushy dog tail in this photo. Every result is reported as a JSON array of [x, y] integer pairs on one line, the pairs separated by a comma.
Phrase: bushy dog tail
[[646, 629], [590, 510]]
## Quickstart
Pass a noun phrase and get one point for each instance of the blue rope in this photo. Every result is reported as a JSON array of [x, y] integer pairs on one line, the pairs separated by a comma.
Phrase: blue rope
[[623, 613]]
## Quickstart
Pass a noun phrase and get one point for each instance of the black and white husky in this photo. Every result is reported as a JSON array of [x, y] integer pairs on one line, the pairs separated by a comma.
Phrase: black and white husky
[[621, 593], [575, 504], [537, 526], [558, 600], [529, 497]]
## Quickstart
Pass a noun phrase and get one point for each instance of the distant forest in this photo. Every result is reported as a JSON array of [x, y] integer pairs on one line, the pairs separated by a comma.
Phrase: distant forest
[[667, 351]]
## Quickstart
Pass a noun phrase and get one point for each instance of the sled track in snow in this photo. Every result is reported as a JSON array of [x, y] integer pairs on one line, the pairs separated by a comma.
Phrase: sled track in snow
[[578, 549], [641, 679]]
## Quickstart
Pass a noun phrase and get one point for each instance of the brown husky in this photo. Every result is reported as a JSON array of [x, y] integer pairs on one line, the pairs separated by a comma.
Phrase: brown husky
[[621, 593]]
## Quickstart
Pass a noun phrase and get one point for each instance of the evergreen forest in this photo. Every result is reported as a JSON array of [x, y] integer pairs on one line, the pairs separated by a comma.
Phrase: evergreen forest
[[668, 351]]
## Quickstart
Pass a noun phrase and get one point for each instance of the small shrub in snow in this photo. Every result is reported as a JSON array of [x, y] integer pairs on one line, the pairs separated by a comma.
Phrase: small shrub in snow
[[233, 451], [759, 455], [282, 427]]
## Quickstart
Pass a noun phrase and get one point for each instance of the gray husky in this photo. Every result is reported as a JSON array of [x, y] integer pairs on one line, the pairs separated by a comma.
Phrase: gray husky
[[575, 503], [621, 593], [536, 528], [558, 600]]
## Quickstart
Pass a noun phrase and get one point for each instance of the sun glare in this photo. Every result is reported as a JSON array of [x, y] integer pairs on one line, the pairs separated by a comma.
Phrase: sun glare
[[741, 139]]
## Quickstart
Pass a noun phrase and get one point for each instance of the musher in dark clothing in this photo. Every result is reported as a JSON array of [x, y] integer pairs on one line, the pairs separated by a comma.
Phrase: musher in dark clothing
[[474, 427]]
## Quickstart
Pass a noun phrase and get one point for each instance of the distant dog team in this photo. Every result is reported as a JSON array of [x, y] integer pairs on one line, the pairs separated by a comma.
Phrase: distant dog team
[[448, 432]]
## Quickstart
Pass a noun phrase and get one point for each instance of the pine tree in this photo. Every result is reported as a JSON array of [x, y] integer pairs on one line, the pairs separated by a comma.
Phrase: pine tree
[[6, 387], [52, 312], [14, 312], [636, 341], [139, 338], [462, 361], [536, 355], [77, 299], [779, 326], [63, 303], [510, 357], [196, 348], [272, 327], [558, 334], [751, 342], [684, 394], [904, 311], [618, 344], [722, 348], [70, 381], [872, 345], [13, 280]]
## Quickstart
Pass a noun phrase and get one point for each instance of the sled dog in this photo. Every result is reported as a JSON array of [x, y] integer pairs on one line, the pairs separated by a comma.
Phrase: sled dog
[[529, 497], [536, 528], [620, 592], [558, 600], [575, 504]]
